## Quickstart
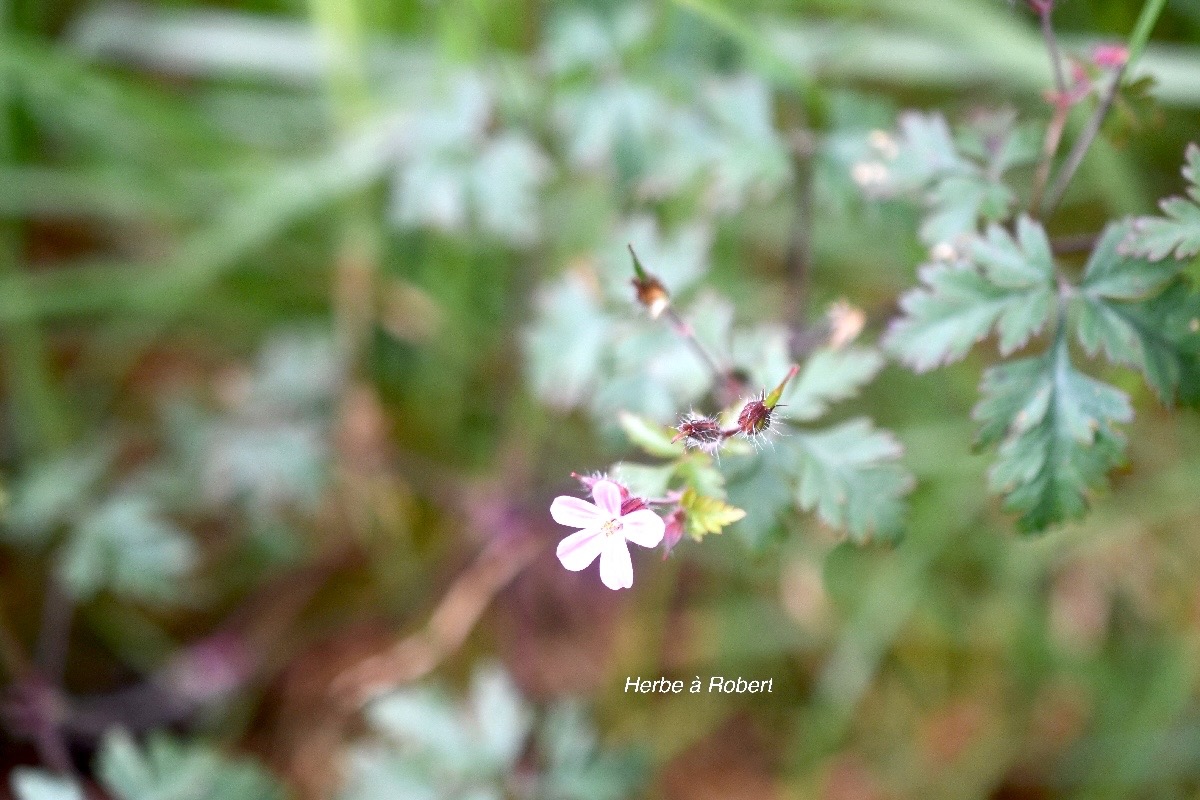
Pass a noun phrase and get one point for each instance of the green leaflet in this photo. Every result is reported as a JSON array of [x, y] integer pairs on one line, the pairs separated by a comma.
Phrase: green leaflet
[[564, 348], [1009, 284], [1113, 275], [1159, 336], [925, 151], [958, 202], [29, 783], [1123, 309], [849, 474], [1057, 433], [164, 767], [959, 306], [764, 483], [1015, 263], [960, 177], [52, 493], [129, 546], [1176, 233], [707, 515], [827, 377], [421, 739], [655, 439]]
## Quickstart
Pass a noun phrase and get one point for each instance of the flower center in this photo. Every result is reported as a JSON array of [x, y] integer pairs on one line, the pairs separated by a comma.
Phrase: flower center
[[611, 527]]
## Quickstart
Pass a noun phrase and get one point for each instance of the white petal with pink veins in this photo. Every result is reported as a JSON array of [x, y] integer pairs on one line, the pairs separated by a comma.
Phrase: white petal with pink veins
[[643, 527], [616, 567], [580, 549], [608, 496], [576, 513]]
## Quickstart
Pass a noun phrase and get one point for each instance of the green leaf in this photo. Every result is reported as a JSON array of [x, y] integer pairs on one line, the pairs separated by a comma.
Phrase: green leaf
[[53, 492], [128, 546], [924, 151], [1159, 336], [166, 769], [655, 439], [849, 474], [643, 480], [677, 257], [707, 515], [565, 346], [1021, 263], [38, 784], [1178, 231], [697, 471], [827, 377], [765, 484], [1057, 433], [959, 202], [956, 308], [1113, 275], [502, 719]]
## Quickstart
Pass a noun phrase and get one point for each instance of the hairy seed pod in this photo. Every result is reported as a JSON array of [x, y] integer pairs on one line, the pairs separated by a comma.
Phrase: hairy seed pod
[[699, 432]]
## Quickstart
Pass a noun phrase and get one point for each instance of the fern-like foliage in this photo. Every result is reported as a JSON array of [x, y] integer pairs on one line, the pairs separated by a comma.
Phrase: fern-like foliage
[[1056, 430]]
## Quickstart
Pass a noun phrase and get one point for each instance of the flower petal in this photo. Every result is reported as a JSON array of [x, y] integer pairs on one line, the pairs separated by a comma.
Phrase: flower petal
[[576, 513], [616, 567], [608, 497], [580, 549], [643, 527]]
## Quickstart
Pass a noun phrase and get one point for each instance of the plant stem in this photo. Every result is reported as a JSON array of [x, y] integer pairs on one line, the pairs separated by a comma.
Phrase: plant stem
[[1060, 80], [1054, 132], [1083, 143], [54, 635], [799, 256], [1151, 10], [1142, 28]]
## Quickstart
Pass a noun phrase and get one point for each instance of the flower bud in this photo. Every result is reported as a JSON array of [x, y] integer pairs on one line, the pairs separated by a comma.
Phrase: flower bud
[[651, 294], [674, 530], [755, 418], [1110, 56], [699, 432]]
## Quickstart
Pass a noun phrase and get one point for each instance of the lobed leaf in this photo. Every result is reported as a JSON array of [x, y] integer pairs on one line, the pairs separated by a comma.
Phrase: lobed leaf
[[828, 376], [1177, 232], [959, 201], [128, 546], [655, 439], [958, 307], [707, 515], [565, 345], [1113, 274], [1159, 336], [1057, 433], [849, 474], [764, 483], [1015, 263], [51, 493], [165, 768]]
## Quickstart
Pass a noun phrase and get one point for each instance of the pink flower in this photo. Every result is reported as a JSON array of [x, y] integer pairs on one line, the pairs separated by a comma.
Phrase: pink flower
[[1110, 56], [605, 532]]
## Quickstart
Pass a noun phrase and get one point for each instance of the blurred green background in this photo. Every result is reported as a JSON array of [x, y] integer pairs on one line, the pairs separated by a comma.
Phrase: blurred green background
[[308, 312]]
